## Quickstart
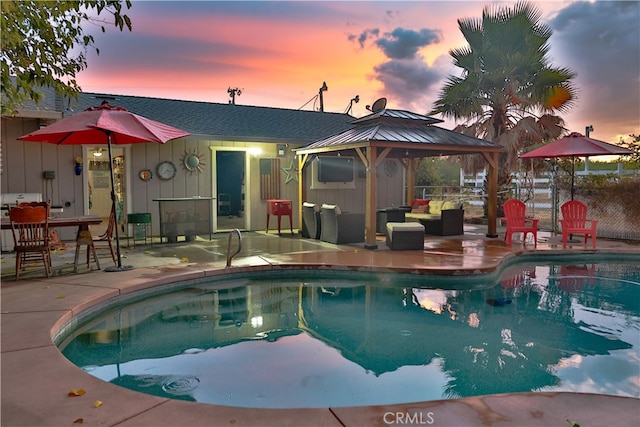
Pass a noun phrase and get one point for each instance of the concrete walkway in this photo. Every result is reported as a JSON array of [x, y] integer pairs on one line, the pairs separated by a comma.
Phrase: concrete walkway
[[37, 379]]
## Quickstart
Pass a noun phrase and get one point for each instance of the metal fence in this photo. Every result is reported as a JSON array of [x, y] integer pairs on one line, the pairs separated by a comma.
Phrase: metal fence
[[543, 201]]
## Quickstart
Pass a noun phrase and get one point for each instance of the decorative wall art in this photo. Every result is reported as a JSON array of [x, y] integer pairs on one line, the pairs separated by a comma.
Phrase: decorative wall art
[[390, 167], [290, 172], [269, 179], [193, 161]]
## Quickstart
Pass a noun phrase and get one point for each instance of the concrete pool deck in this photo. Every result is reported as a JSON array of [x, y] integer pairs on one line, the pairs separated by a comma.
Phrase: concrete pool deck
[[36, 378]]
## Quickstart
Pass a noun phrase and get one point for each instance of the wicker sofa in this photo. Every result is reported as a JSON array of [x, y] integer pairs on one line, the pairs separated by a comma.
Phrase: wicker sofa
[[439, 217]]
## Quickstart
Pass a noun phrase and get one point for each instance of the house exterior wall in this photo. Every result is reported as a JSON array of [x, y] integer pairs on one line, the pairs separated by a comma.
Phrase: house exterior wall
[[23, 164], [390, 190]]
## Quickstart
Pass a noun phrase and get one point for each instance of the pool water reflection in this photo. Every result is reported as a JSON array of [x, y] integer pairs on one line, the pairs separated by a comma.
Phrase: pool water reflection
[[330, 339]]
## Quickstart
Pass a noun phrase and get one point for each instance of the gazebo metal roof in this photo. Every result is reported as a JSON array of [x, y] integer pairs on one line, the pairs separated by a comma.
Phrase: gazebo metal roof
[[406, 136], [402, 130]]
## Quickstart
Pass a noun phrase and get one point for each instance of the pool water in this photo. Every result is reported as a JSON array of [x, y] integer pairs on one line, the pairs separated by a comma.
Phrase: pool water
[[328, 339]]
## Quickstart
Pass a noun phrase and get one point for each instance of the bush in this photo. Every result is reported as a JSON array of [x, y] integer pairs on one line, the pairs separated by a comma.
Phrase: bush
[[612, 189]]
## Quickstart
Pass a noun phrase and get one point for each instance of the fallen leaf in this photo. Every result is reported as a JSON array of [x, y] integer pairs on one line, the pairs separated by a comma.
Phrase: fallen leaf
[[97, 403], [60, 296], [79, 421], [184, 259], [74, 393]]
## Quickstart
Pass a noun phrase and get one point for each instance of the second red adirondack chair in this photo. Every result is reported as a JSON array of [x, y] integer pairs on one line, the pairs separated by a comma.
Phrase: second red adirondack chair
[[574, 221]]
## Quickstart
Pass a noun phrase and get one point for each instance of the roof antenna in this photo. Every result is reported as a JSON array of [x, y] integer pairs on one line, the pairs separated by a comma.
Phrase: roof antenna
[[232, 93], [356, 100], [322, 89]]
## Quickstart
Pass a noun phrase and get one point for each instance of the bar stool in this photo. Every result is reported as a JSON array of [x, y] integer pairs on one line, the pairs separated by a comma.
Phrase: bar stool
[[84, 237]]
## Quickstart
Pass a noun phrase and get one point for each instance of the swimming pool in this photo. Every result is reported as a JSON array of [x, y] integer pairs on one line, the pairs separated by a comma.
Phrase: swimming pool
[[287, 339]]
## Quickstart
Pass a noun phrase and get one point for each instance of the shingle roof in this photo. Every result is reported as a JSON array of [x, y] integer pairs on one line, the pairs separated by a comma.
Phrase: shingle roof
[[223, 121]]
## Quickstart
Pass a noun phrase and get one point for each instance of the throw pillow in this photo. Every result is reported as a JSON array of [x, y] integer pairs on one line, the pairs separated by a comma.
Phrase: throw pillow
[[435, 207], [448, 205], [419, 209]]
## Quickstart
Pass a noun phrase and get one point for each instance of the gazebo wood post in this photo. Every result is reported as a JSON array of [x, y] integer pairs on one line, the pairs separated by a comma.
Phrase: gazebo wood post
[[302, 189], [371, 190], [492, 197], [411, 179]]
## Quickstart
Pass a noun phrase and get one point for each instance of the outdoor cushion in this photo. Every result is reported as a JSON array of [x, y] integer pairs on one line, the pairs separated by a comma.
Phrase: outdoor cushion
[[451, 205], [435, 207], [412, 216], [404, 226], [336, 208]]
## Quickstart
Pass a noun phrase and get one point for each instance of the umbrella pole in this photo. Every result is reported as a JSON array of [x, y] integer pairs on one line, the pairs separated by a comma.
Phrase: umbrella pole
[[573, 174], [119, 266]]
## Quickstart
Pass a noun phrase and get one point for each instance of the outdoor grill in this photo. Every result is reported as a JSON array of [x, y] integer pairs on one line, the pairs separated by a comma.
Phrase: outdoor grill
[[13, 199]]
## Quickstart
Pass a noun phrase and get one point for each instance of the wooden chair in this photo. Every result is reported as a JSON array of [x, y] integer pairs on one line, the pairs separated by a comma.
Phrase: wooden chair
[[30, 228], [517, 221], [54, 241], [103, 243], [574, 221]]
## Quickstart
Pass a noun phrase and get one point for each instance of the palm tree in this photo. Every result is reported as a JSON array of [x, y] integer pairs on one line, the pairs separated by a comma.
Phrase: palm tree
[[507, 92]]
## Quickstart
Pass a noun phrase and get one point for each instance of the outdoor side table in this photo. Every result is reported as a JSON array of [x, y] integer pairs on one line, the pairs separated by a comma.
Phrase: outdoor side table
[[383, 216], [141, 223], [279, 208]]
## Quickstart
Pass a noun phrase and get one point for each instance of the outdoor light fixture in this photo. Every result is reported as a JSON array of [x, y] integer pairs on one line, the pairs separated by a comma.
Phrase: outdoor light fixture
[[77, 168], [97, 152], [254, 151]]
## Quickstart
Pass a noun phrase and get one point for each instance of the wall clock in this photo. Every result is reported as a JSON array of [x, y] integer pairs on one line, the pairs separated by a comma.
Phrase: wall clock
[[166, 170], [145, 175]]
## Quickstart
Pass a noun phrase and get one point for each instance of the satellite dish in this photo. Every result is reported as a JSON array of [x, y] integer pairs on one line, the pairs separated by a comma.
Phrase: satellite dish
[[379, 105]]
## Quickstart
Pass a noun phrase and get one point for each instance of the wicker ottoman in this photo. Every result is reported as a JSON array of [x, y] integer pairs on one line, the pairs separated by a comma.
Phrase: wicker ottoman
[[405, 235]]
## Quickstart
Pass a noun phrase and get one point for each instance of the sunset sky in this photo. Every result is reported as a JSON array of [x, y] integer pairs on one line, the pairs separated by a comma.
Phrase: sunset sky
[[280, 53]]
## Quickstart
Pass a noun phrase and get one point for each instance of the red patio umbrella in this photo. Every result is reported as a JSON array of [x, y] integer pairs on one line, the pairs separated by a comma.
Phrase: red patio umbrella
[[574, 145], [106, 124]]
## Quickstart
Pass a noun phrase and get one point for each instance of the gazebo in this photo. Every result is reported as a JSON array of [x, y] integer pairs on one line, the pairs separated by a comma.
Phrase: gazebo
[[408, 137]]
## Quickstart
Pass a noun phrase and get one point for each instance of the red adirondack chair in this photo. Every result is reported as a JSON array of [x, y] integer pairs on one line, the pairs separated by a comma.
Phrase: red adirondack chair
[[574, 221], [518, 222]]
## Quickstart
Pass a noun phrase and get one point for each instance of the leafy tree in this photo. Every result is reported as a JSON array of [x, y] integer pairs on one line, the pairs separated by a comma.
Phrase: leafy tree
[[38, 42], [507, 92], [633, 145], [435, 172]]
